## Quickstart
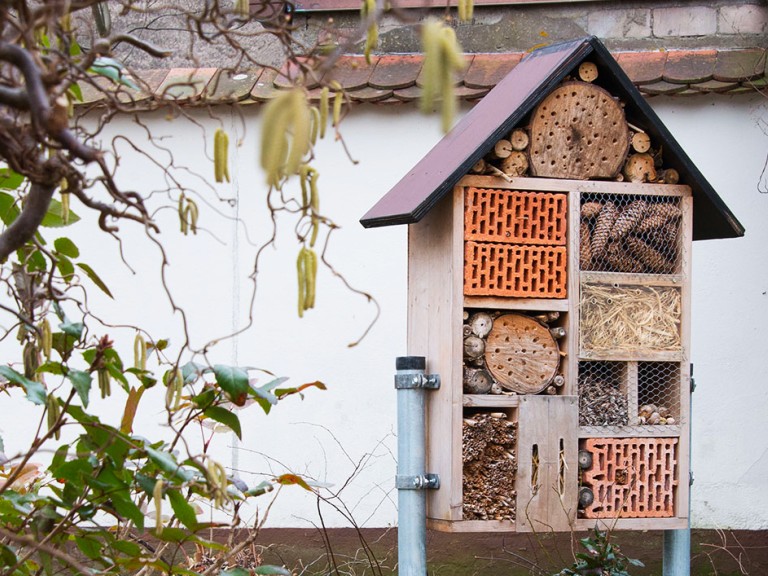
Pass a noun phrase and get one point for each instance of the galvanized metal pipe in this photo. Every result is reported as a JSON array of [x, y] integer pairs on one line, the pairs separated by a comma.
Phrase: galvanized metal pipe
[[677, 543], [412, 479]]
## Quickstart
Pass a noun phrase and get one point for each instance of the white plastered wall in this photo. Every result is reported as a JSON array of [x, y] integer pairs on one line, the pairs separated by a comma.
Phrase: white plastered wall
[[347, 431]]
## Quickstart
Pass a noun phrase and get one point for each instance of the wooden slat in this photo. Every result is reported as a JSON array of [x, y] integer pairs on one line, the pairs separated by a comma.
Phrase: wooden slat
[[581, 186], [532, 495], [647, 431], [490, 401], [642, 355], [632, 524], [632, 393], [434, 331], [497, 303], [570, 363], [635, 279], [471, 525], [563, 418]]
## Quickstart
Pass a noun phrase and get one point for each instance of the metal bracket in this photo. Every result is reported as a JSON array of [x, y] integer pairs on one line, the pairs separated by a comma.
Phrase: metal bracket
[[693, 380], [423, 482], [412, 381], [690, 479]]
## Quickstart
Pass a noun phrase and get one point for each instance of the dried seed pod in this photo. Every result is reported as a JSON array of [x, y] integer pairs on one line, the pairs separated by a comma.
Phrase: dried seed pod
[[628, 219], [590, 209], [671, 421], [654, 419], [603, 227], [652, 258], [585, 246]]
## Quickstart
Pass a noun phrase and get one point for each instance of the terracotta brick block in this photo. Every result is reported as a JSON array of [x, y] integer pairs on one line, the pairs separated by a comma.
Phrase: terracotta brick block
[[515, 271], [511, 216], [632, 477], [643, 67]]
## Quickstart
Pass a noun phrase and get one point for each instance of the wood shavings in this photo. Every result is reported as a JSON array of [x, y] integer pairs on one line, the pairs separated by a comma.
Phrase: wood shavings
[[490, 466], [621, 318]]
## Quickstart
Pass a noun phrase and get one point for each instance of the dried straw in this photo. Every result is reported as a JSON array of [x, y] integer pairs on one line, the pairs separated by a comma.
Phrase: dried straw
[[630, 317]]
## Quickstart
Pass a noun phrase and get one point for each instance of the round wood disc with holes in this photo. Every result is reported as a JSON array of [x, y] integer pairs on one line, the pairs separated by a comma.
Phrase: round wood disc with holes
[[578, 131], [521, 354]]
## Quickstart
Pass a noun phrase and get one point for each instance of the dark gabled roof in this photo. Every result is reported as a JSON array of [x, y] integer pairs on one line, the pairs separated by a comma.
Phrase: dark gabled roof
[[510, 102]]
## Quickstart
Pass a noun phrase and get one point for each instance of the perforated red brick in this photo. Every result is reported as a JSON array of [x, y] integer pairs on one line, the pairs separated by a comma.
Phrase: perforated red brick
[[515, 217], [631, 477], [516, 271]]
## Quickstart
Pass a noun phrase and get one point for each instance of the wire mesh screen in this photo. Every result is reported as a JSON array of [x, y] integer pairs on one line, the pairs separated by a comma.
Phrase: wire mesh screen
[[603, 391], [658, 393], [619, 319], [630, 233]]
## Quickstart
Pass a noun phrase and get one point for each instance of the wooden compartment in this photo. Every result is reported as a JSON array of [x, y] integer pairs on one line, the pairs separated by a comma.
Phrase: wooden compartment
[[624, 320], [631, 477], [489, 458], [515, 243], [548, 426]]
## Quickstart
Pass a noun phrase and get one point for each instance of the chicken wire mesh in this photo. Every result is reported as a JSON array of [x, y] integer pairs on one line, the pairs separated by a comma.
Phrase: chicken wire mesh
[[603, 398], [622, 395], [630, 233], [658, 394]]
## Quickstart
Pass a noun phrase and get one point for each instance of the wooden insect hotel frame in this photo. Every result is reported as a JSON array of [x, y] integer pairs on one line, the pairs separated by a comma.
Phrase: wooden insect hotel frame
[[549, 281]]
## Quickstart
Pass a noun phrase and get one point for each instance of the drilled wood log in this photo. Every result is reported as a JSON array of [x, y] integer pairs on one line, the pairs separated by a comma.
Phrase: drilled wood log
[[474, 347], [479, 167], [516, 164], [521, 354], [640, 168], [578, 132], [480, 324], [588, 71], [477, 381], [519, 139], [669, 176], [501, 149], [641, 142]]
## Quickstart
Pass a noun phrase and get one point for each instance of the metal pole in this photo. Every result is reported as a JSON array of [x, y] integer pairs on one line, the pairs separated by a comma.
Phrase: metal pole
[[677, 543], [412, 480]]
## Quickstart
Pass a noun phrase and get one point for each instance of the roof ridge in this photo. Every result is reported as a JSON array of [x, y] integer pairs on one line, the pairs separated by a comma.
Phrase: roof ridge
[[394, 78]]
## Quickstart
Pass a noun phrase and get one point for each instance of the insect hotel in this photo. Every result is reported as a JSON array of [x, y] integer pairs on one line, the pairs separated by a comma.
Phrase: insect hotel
[[549, 281]]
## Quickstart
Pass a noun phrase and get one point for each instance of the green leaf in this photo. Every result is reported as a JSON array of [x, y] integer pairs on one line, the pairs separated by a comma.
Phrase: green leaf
[[10, 180], [112, 69], [126, 508], [127, 548], [94, 278], [66, 267], [35, 391], [282, 392], [9, 210], [225, 417], [54, 219], [90, 547], [7, 556], [267, 570], [81, 381], [237, 571], [65, 246], [167, 463], [262, 488], [205, 398], [56, 368], [35, 261], [74, 329], [183, 510], [234, 382]]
